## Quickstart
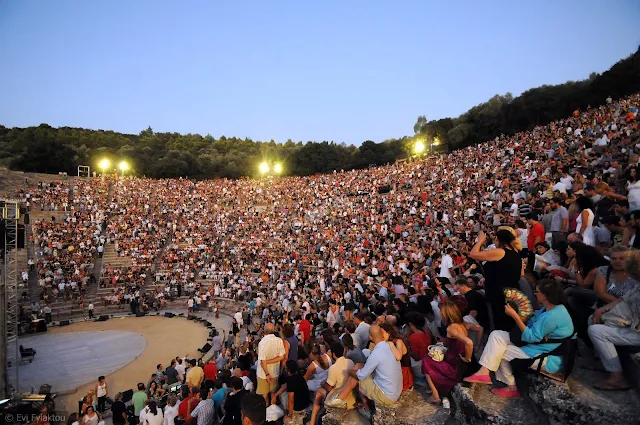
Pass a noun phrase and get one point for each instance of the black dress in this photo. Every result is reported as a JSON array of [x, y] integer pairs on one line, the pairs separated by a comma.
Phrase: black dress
[[499, 275]]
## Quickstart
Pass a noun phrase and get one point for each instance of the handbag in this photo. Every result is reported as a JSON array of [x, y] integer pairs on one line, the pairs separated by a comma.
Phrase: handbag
[[437, 352], [618, 317]]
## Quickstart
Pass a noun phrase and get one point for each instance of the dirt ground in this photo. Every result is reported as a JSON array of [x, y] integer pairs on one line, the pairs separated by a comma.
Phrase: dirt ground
[[166, 338]]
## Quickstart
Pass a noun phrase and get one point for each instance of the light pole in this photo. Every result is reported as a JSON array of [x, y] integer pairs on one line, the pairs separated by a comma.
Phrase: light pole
[[123, 167], [104, 165]]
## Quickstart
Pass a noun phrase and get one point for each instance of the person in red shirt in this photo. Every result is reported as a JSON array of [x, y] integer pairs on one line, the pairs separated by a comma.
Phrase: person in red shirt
[[536, 234], [210, 370], [184, 405], [304, 328]]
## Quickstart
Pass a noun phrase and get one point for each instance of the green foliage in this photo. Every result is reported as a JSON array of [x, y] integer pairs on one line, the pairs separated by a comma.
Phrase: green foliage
[[539, 106], [47, 149]]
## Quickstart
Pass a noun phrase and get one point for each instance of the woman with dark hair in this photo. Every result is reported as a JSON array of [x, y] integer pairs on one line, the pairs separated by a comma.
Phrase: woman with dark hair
[[154, 415], [288, 335], [584, 222], [154, 392], [552, 321], [90, 417], [502, 269], [352, 351], [318, 370], [400, 351], [580, 294]]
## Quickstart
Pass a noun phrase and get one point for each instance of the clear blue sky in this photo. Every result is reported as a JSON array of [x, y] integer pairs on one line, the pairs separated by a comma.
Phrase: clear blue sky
[[345, 71]]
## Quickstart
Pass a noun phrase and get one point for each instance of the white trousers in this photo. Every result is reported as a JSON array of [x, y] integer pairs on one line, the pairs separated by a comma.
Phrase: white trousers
[[497, 354], [605, 338]]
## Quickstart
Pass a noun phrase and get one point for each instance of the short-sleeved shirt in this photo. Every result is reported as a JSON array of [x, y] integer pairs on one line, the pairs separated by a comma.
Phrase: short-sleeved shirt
[[117, 409], [615, 288], [556, 220], [269, 347], [210, 371], [338, 372], [419, 343], [356, 355], [536, 231], [139, 399], [298, 386], [172, 375], [445, 265], [195, 375]]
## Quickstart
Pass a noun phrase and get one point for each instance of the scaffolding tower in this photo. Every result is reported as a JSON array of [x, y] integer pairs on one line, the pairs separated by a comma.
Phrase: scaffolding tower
[[9, 302]]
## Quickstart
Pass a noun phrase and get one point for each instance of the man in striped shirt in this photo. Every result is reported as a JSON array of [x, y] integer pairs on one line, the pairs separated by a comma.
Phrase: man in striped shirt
[[523, 208]]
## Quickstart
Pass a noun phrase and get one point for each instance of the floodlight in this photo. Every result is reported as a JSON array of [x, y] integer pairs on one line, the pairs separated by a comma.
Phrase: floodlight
[[123, 166], [419, 147], [277, 168], [264, 168], [104, 164]]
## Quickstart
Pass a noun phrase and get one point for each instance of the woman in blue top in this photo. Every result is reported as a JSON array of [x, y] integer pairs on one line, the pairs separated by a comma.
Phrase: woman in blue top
[[551, 322]]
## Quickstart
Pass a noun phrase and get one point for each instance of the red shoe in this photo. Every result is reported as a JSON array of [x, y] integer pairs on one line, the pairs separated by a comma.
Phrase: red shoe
[[504, 392], [478, 379]]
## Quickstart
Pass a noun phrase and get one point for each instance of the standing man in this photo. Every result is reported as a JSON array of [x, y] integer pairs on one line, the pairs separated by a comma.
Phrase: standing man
[[47, 313], [195, 375], [536, 235], [239, 321], [446, 265], [139, 399], [119, 411], [559, 222], [90, 310], [270, 354], [171, 373]]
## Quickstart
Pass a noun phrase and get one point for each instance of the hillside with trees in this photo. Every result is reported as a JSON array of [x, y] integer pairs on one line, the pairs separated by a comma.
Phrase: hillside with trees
[[50, 150]]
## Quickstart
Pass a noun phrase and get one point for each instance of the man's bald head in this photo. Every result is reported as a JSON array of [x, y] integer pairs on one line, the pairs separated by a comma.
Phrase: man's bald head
[[391, 319], [375, 334], [237, 372], [269, 328]]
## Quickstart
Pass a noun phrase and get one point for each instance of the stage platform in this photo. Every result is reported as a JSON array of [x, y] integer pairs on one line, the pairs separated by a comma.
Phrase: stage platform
[[68, 360]]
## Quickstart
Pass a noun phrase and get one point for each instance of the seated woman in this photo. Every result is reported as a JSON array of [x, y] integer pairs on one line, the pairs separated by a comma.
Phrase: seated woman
[[154, 392], [443, 375], [400, 352], [580, 292], [318, 370], [617, 323], [614, 281], [551, 322]]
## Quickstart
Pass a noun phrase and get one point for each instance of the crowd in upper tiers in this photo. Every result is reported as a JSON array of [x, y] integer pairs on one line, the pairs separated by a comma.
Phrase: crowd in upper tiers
[[360, 272]]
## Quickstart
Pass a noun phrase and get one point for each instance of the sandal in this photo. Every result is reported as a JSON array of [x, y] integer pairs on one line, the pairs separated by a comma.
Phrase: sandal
[[503, 392], [478, 379]]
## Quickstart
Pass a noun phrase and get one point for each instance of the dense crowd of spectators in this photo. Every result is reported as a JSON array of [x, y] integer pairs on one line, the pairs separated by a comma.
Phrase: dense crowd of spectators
[[360, 284]]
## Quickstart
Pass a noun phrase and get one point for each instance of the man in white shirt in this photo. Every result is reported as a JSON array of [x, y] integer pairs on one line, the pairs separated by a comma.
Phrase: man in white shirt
[[238, 318], [446, 265], [270, 354], [332, 315], [180, 369]]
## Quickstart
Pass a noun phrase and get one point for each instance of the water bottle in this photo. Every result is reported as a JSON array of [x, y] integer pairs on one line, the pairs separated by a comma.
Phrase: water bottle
[[446, 405]]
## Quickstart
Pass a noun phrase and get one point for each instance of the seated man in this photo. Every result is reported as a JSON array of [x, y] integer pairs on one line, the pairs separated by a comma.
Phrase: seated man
[[297, 393], [380, 379], [338, 376]]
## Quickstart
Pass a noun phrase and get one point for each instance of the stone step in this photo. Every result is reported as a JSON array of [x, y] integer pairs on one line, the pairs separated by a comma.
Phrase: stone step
[[411, 409], [575, 402]]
